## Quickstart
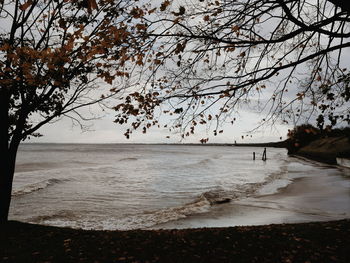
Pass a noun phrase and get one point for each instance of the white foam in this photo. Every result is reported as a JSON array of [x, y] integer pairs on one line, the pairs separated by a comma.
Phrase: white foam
[[110, 186], [140, 221], [30, 188], [273, 187]]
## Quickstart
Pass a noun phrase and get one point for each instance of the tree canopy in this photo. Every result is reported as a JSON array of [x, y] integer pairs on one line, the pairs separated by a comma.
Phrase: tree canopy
[[197, 60], [288, 58], [56, 57]]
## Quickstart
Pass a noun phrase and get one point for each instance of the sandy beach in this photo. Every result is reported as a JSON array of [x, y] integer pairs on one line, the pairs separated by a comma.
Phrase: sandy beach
[[260, 228], [311, 198], [306, 220]]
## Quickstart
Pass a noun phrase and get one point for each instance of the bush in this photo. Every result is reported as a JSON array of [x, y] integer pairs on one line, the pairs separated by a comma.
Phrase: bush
[[338, 132], [301, 136]]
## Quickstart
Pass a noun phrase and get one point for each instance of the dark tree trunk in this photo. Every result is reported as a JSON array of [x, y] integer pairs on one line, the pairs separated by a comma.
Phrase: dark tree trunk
[[7, 158], [7, 165]]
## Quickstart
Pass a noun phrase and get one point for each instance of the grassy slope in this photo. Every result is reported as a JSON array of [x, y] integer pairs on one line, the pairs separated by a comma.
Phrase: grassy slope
[[326, 149]]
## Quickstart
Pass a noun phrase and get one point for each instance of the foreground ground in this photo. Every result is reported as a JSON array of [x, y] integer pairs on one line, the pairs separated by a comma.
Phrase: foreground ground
[[307, 242]]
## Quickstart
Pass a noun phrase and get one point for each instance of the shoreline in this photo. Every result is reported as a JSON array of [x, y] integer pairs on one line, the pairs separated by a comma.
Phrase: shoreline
[[261, 241], [274, 204], [303, 242], [280, 144], [316, 198], [326, 150]]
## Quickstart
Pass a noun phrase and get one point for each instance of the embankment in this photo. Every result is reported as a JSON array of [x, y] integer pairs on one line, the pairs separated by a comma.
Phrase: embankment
[[326, 149]]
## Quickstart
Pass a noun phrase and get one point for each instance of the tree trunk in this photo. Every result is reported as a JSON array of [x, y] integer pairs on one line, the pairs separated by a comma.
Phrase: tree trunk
[[7, 168], [8, 156]]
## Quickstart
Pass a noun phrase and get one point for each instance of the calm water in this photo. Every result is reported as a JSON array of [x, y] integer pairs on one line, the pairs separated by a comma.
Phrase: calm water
[[117, 186]]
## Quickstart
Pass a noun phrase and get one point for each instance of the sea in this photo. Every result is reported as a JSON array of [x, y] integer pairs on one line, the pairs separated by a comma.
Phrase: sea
[[140, 186]]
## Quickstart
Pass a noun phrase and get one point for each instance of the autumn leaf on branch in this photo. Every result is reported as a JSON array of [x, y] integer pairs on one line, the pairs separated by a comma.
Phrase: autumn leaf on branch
[[55, 58], [24, 6], [209, 43], [181, 12], [164, 5], [91, 5]]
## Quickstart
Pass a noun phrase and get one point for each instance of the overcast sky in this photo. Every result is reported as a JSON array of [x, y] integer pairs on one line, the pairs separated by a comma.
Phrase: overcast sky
[[104, 130]]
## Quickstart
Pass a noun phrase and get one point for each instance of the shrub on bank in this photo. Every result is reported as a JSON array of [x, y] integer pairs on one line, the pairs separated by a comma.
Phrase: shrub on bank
[[304, 134], [301, 136]]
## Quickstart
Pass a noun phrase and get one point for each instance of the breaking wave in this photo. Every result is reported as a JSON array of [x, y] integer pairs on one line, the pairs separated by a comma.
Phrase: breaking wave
[[201, 204], [110, 188], [30, 188], [145, 220]]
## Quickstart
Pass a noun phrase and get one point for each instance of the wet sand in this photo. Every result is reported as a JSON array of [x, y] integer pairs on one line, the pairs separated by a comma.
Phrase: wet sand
[[320, 197]]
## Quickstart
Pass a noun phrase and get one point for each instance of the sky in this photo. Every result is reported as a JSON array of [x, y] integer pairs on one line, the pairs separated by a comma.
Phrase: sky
[[104, 130]]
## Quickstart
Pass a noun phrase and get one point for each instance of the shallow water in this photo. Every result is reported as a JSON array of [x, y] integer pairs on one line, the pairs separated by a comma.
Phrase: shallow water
[[129, 186]]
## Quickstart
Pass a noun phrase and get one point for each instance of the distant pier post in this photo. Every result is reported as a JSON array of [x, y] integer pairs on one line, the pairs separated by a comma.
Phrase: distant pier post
[[254, 156], [264, 155]]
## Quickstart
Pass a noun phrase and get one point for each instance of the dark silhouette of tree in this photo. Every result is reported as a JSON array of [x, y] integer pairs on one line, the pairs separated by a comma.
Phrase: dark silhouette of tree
[[56, 57], [288, 57], [301, 136]]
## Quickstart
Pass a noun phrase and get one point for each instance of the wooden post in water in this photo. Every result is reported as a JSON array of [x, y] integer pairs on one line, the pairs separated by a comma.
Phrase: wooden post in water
[[254, 156], [264, 155]]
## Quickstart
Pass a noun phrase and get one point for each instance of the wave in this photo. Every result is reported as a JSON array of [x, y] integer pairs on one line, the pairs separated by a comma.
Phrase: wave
[[199, 206], [128, 159], [204, 202], [148, 219], [205, 162], [271, 184], [30, 188], [129, 222], [201, 203], [218, 196], [197, 163]]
